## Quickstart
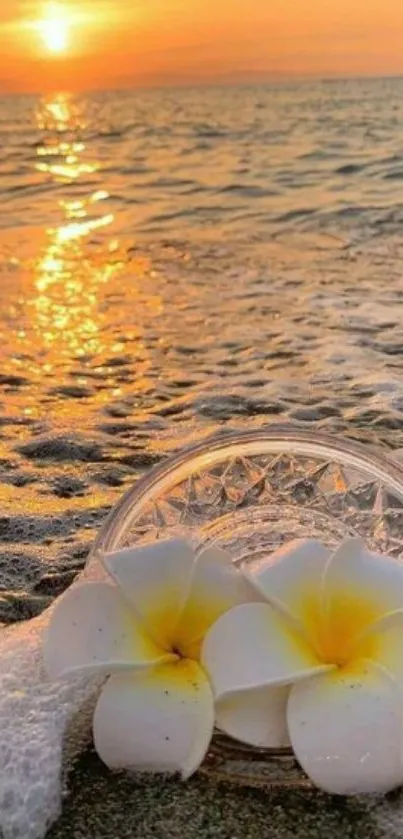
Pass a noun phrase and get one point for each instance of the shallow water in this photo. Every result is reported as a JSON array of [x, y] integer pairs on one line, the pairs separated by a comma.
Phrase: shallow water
[[172, 262]]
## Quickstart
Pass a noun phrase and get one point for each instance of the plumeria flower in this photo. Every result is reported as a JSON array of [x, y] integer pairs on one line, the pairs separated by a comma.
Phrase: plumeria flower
[[320, 664], [143, 627]]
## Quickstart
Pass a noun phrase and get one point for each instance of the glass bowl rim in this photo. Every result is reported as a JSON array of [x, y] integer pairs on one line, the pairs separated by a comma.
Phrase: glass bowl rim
[[257, 441]]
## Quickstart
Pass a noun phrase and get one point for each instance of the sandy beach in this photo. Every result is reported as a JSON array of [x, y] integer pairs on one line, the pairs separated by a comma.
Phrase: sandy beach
[[106, 806]]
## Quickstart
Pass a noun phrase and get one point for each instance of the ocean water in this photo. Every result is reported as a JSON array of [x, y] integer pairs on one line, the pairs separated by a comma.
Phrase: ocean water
[[172, 262], [175, 261]]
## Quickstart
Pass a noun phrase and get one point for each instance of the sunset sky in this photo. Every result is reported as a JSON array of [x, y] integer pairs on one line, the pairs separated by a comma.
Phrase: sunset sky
[[107, 43]]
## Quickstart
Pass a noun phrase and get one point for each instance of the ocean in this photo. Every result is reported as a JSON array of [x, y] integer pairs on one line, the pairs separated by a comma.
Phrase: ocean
[[173, 262], [176, 261]]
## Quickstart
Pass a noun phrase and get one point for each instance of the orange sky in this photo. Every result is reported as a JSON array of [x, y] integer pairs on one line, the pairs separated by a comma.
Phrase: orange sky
[[127, 42]]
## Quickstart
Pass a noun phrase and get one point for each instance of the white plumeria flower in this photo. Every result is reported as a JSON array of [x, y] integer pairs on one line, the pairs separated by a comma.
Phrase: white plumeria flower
[[320, 663], [144, 629]]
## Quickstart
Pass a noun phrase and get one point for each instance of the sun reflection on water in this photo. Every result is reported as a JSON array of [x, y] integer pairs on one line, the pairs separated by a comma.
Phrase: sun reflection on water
[[71, 270], [60, 154]]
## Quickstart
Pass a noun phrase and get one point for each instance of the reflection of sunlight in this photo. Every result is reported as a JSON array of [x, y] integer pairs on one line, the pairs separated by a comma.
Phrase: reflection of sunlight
[[68, 275], [70, 170], [68, 292], [58, 157], [77, 229], [59, 109], [57, 114]]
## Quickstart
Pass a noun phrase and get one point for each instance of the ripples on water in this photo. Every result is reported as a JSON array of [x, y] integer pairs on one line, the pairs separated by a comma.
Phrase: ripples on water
[[176, 261]]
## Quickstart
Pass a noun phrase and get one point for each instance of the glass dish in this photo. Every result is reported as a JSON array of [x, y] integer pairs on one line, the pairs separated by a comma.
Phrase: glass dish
[[249, 492]]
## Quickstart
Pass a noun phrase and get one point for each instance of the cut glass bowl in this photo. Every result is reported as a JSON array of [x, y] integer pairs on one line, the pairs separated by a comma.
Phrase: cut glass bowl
[[250, 492]]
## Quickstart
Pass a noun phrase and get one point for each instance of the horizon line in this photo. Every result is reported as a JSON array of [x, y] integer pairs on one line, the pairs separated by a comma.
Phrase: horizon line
[[259, 80]]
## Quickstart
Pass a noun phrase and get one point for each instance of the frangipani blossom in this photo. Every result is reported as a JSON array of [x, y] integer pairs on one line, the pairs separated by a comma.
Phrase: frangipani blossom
[[320, 664], [144, 629]]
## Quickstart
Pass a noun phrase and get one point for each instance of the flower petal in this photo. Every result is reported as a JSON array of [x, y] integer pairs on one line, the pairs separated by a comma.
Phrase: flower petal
[[382, 644], [367, 584], [346, 730], [158, 721], [257, 717], [216, 587], [254, 646], [93, 630], [156, 580], [291, 580]]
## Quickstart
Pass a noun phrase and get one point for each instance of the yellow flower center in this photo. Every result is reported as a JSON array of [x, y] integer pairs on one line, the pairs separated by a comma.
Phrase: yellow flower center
[[185, 649], [186, 637], [338, 629]]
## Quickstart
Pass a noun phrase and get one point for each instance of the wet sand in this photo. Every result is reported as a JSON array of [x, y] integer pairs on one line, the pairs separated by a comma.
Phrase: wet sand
[[108, 806]]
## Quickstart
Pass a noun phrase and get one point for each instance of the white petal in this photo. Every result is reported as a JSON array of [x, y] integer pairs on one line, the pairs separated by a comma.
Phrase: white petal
[[382, 643], [257, 717], [291, 580], [159, 721], [93, 630], [255, 646], [216, 587], [156, 581], [363, 581], [346, 730]]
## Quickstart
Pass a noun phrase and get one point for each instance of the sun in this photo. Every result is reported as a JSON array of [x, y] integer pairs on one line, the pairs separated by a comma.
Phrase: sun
[[54, 29]]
